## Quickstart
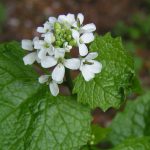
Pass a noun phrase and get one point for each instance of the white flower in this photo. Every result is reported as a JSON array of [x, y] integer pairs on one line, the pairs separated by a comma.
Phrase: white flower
[[80, 18], [82, 41], [30, 58], [33, 56], [90, 67], [27, 44], [45, 46], [67, 47], [60, 62], [52, 20], [67, 20], [46, 28], [49, 37], [53, 47], [53, 85], [86, 28]]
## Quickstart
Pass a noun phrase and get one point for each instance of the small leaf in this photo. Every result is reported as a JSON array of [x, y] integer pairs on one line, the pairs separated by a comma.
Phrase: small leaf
[[99, 133], [133, 122], [32, 119], [142, 143], [109, 87]]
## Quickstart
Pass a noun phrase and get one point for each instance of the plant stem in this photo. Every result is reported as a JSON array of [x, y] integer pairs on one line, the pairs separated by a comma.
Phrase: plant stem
[[69, 80]]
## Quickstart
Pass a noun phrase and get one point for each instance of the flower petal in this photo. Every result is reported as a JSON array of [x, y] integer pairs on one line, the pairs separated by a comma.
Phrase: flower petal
[[58, 73], [30, 58], [48, 62], [50, 50], [96, 67], [88, 28], [37, 43], [49, 38], [75, 24], [52, 20], [91, 56], [86, 73], [73, 63], [70, 18], [54, 88], [75, 35], [43, 78], [80, 17], [83, 50], [42, 53], [59, 52], [87, 37], [27, 45], [62, 18], [67, 47], [37, 58], [47, 26], [40, 30]]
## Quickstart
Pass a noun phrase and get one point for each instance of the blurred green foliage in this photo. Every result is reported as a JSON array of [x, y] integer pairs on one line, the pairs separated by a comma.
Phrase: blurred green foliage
[[135, 33], [99, 133], [137, 30]]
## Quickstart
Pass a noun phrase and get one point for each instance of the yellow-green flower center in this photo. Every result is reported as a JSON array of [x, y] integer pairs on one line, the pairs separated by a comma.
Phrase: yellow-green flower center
[[63, 34]]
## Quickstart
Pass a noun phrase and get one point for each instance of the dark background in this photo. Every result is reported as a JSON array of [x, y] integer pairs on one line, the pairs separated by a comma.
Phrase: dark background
[[23, 16]]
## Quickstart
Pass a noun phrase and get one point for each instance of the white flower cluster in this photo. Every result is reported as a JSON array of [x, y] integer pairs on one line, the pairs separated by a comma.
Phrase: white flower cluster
[[52, 49]]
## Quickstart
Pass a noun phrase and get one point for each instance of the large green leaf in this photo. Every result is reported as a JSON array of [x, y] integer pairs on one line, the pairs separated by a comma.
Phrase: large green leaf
[[133, 122], [134, 144], [16, 80], [109, 87], [32, 119]]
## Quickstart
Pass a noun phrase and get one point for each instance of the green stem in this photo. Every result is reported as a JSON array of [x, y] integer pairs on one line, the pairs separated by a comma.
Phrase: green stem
[[69, 80]]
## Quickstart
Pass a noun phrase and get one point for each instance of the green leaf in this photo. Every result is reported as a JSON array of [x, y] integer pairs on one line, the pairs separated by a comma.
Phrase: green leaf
[[133, 122], [32, 119], [99, 133], [90, 148], [109, 87], [16, 80], [134, 144], [136, 86], [44, 122]]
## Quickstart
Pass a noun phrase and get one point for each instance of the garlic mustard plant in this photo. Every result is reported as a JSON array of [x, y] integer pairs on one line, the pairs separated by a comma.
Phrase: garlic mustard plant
[[52, 49], [97, 70]]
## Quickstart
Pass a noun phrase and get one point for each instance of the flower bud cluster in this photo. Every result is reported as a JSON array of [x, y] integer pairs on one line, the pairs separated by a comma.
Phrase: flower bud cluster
[[58, 36]]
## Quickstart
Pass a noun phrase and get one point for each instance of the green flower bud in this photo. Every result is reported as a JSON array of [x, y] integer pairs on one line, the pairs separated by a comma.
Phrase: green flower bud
[[57, 26], [92, 143], [62, 40], [72, 43], [58, 38], [68, 32], [65, 35], [57, 31], [58, 43], [69, 37], [61, 35], [63, 31]]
